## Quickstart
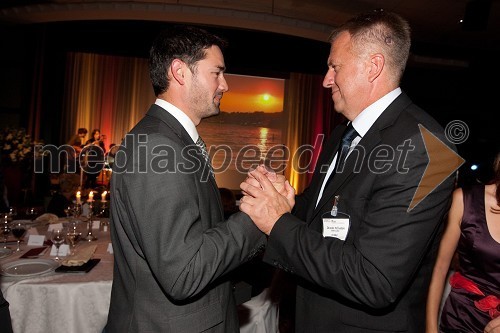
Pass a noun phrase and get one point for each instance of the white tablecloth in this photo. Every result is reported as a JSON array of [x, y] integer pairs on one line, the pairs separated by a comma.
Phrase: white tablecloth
[[79, 303], [259, 315], [62, 302]]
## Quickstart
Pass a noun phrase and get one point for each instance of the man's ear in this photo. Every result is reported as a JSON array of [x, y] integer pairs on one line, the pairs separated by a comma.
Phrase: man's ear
[[178, 68], [377, 62]]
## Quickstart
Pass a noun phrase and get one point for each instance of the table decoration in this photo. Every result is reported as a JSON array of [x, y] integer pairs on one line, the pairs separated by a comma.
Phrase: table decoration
[[90, 237]]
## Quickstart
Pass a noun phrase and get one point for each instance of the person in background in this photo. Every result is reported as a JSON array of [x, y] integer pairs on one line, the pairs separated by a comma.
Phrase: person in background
[[68, 185], [94, 158], [228, 202], [173, 249], [493, 326], [110, 155], [473, 231], [75, 146], [78, 141], [361, 248], [96, 139]]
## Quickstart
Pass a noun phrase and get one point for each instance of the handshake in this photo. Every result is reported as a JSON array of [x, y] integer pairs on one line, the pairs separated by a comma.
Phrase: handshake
[[266, 197]]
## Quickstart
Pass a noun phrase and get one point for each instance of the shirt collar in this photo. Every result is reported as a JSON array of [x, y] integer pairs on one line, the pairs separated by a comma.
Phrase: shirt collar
[[368, 116], [181, 117]]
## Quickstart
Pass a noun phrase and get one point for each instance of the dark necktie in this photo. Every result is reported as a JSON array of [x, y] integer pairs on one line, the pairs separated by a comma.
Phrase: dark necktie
[[349, 135], [345, 143], [200, 143]]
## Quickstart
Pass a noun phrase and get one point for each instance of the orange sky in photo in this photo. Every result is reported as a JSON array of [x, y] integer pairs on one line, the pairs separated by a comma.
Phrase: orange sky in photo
[[252, 93]]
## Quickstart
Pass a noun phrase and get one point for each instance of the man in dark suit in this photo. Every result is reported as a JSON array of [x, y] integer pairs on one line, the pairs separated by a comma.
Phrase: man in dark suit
[[362, 238], [172, 247]]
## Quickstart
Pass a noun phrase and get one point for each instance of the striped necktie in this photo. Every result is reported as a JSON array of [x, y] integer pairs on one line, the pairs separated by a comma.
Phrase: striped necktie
[[200, 143]]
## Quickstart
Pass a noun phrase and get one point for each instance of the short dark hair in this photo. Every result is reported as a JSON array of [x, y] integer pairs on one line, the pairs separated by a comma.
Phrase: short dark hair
[[82, 131], [186, 43]]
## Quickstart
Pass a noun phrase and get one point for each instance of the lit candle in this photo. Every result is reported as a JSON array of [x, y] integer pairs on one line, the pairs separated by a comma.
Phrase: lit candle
[[103, 196], [78, 197], [91, 196]]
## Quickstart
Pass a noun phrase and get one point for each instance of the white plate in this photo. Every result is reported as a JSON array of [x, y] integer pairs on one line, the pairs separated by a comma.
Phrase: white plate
[[28, 267], [5, 252]]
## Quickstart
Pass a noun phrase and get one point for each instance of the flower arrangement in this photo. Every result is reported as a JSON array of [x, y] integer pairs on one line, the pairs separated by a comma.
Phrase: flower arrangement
[[16, 146]]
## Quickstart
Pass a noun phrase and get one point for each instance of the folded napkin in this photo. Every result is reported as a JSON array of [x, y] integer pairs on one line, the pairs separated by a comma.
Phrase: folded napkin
[[80, 257], [47, 218]]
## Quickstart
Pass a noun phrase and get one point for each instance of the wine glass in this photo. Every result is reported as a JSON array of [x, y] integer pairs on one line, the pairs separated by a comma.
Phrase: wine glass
[[18, 230], [72, 238], [57, 238], [72, 235]]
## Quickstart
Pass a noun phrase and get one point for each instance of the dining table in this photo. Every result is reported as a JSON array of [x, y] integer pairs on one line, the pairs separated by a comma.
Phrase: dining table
[[60, 302], [78, 302]]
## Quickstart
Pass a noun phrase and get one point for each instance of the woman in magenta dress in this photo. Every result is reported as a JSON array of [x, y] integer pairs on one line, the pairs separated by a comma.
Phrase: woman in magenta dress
[[473, 231]]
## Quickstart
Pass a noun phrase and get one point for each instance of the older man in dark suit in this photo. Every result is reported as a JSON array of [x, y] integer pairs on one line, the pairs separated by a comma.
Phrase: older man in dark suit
[[171, 244], [363, 237]]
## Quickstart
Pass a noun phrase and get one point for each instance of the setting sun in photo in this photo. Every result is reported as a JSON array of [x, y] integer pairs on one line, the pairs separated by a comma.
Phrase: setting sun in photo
[[252, 93]]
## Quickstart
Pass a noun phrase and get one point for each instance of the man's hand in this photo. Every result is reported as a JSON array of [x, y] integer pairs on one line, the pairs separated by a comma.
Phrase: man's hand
[[262, 202], [278, 181]]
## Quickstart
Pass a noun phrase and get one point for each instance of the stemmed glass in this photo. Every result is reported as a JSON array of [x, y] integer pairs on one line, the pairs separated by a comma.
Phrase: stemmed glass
[[18, 230], [90, 237], [57, 238], [72, 236]]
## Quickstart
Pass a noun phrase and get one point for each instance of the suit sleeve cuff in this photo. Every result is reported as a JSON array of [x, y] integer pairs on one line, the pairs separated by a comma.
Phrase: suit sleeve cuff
[[281, 236]]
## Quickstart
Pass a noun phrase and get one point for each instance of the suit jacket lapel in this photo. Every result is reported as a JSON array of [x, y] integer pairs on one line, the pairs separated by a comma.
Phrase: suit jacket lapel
[[164, 116], [324, 162], [352, 166], [371, 139], [169, 120]]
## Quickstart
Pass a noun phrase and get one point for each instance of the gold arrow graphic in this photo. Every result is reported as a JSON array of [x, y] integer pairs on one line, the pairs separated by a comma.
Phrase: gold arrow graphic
[[443, 161]]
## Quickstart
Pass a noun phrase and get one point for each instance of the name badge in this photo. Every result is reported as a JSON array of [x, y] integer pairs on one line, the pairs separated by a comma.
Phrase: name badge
[[335, 223], [337, 227]]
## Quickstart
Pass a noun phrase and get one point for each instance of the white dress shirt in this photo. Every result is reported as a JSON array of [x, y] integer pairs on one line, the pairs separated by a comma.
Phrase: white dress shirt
[[185, 121], [362, 124]]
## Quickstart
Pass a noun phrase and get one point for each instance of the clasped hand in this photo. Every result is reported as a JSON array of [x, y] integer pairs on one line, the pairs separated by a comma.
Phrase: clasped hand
[[266, 197]]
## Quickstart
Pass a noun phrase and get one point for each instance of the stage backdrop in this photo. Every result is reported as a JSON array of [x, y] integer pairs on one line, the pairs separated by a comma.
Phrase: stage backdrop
[[278, 122]]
